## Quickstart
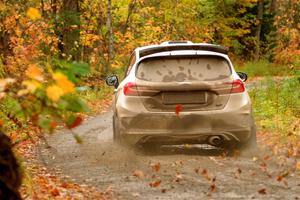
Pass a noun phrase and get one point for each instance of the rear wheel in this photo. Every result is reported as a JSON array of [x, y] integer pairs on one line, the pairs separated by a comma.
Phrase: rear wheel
[[250, 146]]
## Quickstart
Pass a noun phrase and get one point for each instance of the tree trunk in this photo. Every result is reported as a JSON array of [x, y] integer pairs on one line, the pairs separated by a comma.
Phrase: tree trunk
[[43, 8], [273, 6], [71, 31], [129, 12], [260, 13], [110, 37]]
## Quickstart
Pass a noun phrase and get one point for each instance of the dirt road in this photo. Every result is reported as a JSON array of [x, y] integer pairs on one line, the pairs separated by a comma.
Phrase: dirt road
[[183, 172]]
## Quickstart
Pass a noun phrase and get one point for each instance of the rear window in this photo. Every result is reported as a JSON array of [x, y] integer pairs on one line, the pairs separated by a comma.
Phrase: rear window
[[180, 69]]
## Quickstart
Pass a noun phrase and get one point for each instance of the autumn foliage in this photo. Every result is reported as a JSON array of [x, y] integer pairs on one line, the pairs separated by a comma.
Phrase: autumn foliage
[[49, 48]]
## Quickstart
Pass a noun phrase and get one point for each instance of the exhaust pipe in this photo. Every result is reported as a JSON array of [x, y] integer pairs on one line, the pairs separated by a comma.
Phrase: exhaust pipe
[[215, 140]]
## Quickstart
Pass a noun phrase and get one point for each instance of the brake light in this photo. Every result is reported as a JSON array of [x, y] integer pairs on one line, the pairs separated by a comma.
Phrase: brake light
[[237, 86], [130, 89]]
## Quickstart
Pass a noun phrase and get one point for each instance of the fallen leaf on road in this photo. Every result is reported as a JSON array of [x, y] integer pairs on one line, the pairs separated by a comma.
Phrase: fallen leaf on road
[[55, 192], [178, 178], [279, 178], [155, 183], [136, 194], [205, 174], [267, 157], [254, 158], [262, 191], [156, 167], [138, 173], [213, 187]]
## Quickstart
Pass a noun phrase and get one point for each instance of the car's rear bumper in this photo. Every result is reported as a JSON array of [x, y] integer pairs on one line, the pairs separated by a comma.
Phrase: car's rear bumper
[[233, 123]]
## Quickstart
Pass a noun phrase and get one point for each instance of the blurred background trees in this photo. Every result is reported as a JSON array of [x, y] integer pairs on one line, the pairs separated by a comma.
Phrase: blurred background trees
[[103, 33]]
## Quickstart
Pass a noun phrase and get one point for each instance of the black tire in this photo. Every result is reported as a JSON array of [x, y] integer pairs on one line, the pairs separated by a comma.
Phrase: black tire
[[250, 146]]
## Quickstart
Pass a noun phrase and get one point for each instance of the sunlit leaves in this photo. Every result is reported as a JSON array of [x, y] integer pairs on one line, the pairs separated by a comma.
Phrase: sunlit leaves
[[35, 72], [54, 92], [33, 13], [31, 86], [64, 83], [5, 82], [62, 87]]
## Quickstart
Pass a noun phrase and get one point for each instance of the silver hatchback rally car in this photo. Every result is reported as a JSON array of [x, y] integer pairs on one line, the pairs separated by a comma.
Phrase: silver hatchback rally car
[[182, 93]]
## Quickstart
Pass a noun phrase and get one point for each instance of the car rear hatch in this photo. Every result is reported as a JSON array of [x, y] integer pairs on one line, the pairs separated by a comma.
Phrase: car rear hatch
[[185, 83]]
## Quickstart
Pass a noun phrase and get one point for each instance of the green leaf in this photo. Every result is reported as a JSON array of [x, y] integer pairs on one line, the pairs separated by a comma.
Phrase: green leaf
[[44, 122], [80, 68], [75, 104], [70, 120]]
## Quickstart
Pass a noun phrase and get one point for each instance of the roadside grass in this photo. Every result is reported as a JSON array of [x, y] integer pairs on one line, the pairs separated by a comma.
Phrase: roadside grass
[[276, 106], [265, 68]]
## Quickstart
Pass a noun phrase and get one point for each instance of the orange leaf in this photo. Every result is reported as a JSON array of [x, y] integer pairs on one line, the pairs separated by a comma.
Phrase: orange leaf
[[266, 157], [35, 72], [54, 92], [155, 183], [279, 178], [64, 83], [156, 167], [213, 187], [33, 13], [55, 192], [53, 124]]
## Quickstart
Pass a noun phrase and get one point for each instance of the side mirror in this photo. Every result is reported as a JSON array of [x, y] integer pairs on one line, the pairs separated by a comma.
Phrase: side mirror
[[243, 76], [112, 80]]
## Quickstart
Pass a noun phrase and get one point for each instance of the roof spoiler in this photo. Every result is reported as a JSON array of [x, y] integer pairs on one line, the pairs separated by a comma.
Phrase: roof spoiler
[[203, 47]]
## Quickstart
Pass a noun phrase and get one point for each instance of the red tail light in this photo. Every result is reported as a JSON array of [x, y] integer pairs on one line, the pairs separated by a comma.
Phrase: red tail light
[[237, 86], [130, 89]]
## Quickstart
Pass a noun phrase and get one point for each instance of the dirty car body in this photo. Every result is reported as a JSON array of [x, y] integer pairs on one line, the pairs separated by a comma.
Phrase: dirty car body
[[182, 93]]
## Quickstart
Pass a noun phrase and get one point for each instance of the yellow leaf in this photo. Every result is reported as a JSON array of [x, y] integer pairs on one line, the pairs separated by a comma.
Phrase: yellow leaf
[[64, 83], [22, 92], [54, 92], [33, 13], [31, 86], [35, 72]]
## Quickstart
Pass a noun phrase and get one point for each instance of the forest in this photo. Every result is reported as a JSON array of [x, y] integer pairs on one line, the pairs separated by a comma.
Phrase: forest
[[55, 54]]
